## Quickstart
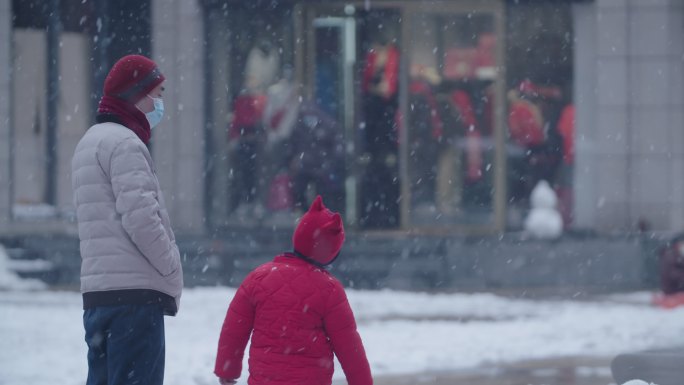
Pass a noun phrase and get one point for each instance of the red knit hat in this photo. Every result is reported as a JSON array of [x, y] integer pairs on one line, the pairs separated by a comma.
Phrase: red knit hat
[[132, 77], [319, 234]]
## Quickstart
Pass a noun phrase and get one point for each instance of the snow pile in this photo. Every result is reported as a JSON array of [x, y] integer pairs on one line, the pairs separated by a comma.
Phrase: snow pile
[[38, 211], [9, 280], [637, 382], [544, 220]]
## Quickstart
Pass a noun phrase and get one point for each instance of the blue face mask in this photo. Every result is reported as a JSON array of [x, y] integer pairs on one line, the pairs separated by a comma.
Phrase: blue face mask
[[155, 117]]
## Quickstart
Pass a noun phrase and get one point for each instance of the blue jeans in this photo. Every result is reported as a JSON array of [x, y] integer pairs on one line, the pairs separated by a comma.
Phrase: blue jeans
[[125, 344]]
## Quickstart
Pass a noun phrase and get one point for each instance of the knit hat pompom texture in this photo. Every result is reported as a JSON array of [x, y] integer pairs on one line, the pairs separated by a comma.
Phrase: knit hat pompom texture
[[319, 234], [132, 77]]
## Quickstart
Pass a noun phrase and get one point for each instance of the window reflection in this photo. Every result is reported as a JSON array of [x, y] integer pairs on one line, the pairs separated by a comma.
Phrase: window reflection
[[451, 119], [313, 105], [540, 118]]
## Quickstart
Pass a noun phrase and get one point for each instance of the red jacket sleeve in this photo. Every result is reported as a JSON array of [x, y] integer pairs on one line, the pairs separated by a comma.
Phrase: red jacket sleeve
[[340, 326], [235, 333]]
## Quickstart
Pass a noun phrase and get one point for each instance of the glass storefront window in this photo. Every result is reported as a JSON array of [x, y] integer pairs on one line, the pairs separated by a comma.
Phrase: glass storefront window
[[450, 119], [540, 119], [400, 55], [398, 113], [252, 113], [403, 114], [380, 55], [355, 103]]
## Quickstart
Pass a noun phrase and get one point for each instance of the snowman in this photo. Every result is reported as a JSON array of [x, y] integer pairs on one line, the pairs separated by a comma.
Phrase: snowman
[[544, 221]]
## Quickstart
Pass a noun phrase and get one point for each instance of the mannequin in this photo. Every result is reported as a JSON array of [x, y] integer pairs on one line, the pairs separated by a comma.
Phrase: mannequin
[[279, 118], [246, 132], [261, 68]]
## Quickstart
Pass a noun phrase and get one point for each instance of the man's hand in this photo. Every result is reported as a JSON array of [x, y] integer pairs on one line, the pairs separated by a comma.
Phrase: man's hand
[[226, 381]]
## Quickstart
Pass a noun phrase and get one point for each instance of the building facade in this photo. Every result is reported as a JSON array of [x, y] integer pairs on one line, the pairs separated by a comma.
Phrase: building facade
[[629, 125], [434, 117]]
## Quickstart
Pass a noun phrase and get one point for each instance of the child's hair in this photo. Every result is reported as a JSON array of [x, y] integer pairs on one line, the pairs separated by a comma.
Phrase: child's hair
[[319, 235]]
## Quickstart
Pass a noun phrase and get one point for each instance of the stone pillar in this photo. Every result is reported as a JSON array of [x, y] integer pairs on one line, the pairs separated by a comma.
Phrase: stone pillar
[[584, 91], [6, 184], [630, 143], [654, 92], [674, 79], [178, 142]]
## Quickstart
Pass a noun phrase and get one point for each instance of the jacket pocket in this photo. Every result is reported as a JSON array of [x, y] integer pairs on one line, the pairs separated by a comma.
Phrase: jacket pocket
[[173, 263]]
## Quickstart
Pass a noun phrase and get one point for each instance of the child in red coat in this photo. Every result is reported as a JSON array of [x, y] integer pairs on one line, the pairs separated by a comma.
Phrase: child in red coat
[[297, 314]]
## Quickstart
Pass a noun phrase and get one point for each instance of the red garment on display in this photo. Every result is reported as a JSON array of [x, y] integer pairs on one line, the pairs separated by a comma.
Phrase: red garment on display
[[462, 101], [525, 123], [464, 105], [473, 155], [530, 89], [566, 128], [487, 127], [390, 72], [248, 110], [486, 50], [460, 63]]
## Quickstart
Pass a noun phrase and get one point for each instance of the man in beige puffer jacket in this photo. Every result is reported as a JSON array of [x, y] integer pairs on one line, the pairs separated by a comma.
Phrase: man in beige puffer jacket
[[131, 274]]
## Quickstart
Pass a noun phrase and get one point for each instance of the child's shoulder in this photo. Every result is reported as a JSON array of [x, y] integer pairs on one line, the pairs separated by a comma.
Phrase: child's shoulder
[[314, 275], [264, 268], [326, 280], [278, 266]]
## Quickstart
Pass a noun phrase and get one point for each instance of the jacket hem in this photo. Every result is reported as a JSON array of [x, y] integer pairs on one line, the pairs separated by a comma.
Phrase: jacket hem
[[130, 297]]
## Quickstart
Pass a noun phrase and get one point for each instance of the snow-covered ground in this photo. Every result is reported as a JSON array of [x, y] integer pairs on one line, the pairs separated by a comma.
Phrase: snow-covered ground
[[41, 333], [10, 280], [42, 336]]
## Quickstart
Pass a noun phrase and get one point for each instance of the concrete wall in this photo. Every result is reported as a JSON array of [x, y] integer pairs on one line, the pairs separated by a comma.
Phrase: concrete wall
[[29, 112], [178, 143], [29, 93], [630, 148], [5, 105], [569, 265]]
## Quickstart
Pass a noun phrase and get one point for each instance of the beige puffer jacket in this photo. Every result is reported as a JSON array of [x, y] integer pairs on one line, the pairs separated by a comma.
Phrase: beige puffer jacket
[[123, 224]]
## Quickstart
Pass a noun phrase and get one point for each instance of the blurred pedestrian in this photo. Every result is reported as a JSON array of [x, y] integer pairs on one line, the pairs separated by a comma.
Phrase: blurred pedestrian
[[131, 274]]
